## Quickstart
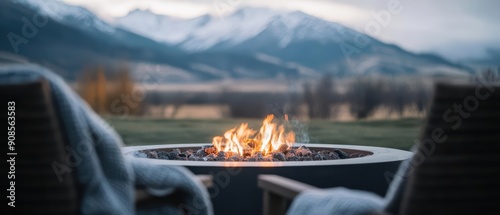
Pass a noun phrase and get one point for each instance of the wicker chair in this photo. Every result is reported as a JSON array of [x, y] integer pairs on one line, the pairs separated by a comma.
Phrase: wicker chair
[[41, 141], [456, 169]]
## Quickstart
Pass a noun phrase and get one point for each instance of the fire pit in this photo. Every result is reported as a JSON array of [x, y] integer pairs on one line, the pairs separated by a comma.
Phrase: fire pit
[[235, 182], [241, 154]]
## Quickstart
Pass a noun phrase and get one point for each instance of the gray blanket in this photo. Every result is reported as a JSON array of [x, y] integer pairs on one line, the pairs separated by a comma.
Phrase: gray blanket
[[106, 177], [343, 201]]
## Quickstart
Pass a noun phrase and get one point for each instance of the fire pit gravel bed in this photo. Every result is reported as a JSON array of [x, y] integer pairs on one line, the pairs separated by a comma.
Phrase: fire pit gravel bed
[[208, 153]]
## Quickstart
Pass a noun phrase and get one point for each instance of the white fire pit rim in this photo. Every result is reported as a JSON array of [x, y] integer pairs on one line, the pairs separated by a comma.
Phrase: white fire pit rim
[[380, 155]]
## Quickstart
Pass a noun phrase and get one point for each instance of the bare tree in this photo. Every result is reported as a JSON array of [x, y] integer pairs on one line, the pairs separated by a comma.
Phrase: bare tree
[[488, 75], [93, 89], [309, 99], [324, 96], [364, 96], [421, 95], [398, 96], [320, 98]]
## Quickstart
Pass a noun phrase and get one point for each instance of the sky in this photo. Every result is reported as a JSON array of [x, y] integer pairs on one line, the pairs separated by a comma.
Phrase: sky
[[455, 29]]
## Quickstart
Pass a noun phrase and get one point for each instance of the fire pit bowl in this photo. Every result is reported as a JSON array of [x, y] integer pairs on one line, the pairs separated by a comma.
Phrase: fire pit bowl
[[235, 182]]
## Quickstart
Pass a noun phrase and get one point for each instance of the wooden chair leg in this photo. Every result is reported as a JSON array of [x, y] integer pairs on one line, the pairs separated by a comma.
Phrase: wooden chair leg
[[274, 204], [278, 192]]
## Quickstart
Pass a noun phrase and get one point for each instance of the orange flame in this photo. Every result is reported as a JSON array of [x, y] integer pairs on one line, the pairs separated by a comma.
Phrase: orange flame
[[246, 142]]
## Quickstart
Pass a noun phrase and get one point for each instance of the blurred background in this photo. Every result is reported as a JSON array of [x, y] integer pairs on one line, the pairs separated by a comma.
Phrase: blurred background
[[168, 71]]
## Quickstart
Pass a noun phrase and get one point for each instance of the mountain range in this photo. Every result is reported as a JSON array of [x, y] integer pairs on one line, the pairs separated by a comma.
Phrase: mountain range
[[251, 43]]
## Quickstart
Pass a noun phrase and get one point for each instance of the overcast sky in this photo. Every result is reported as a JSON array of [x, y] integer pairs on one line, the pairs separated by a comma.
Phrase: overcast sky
[[456, 29]]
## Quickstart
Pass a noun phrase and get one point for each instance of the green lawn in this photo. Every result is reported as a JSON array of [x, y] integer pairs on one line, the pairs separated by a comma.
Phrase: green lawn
[[399, 134]]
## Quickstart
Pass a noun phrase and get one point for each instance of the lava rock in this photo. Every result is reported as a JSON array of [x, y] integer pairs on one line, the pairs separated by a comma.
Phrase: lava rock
[[333, 156], [267, 158], [221, 154], [230, 154], [279, 156], [356, 155], [234, 158], [188, 153], [258, 156], [323, 152], [152, 154], [163, 155], [193, 158], [303, 151], [341, 153], [283, 148], [251, 159], [317, 157], [140, 154], [308, 159], [200, 153], [211, 156], [173, 155], [209, 149]]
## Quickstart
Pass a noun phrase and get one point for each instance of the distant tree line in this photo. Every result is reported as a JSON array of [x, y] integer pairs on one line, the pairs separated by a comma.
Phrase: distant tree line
[[105, 91], [489, 75], [322, 98], [364, 95]]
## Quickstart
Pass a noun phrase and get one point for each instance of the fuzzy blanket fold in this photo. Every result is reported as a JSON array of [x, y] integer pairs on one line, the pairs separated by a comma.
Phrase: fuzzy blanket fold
[[106, 177]]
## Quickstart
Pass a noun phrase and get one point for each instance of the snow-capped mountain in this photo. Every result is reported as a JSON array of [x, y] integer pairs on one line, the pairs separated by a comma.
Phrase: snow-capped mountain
[[68, 14], [69, 47], [73, 39], [251, 43], [161, 28], [206, 32], [292, 37]]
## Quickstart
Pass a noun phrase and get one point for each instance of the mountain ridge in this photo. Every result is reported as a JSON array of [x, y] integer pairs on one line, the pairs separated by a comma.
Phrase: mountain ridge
[[68, 44], [296, 37]]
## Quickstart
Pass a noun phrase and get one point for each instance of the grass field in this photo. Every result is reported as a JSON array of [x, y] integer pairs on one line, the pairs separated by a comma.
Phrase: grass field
[[399, 134]]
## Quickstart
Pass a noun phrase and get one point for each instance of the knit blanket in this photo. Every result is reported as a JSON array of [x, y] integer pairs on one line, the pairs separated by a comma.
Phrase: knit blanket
[[343, 201], [107, 179]]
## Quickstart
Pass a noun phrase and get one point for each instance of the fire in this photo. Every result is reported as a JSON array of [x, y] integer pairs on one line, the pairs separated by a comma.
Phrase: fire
[[244, 141]]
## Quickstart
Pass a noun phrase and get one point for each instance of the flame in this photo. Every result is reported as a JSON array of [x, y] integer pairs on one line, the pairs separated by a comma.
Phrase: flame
[[244, 141]]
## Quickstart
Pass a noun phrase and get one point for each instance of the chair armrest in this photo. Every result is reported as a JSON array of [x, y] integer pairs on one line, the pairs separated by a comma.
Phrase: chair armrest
[[206, 180], [281, 186], [143, 195], [278, 192]]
